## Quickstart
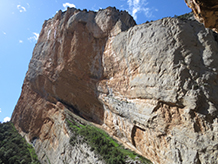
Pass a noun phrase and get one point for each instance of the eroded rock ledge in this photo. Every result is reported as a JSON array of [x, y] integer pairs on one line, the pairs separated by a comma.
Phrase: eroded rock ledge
[[206, 12], [154, 86]]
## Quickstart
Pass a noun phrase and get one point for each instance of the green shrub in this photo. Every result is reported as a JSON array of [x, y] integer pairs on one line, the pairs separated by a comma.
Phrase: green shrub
[[185, 16], [13, 147], [102, 143]]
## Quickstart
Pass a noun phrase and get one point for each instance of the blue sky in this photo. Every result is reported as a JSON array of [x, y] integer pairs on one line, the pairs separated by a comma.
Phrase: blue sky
[[21, 22]]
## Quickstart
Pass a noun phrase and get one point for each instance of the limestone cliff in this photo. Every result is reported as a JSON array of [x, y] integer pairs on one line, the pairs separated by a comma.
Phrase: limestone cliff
[[152, 86], [205, 11]]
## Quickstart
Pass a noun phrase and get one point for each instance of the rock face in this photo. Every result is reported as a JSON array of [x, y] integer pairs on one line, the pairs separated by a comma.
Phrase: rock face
[[205, 11], [63, 72], [153, 86]]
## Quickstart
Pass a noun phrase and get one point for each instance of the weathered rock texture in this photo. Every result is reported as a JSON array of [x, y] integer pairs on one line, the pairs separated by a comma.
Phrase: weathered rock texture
[[154, 86], [64, 70], [205, 11]]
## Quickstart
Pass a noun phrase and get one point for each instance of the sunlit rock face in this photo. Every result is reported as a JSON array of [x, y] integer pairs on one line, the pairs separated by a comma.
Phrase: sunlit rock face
[[161, 90], [152, 86], [63, 73], [206, 12]]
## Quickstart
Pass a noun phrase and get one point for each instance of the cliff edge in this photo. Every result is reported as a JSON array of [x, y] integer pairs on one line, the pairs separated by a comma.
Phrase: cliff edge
[[206, 12], [153, 86]]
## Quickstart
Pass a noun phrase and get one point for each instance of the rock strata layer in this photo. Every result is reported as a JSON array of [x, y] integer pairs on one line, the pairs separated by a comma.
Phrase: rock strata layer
[[154, 86], [206, 12]]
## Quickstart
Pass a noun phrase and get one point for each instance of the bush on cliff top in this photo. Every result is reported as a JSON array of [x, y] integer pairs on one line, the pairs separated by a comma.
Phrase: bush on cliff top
[[185, 16], [13, 147]]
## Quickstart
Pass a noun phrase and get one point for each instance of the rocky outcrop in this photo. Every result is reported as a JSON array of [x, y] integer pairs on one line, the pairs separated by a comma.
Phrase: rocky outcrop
[[63, 72], [206, 12], [161, 90], [152, 86], [67, 60]]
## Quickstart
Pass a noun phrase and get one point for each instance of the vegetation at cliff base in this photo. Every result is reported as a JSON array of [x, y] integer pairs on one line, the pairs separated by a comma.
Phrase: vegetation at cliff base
[[102, 144], [13, 147]]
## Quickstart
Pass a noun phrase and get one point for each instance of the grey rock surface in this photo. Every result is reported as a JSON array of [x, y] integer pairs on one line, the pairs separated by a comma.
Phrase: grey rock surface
[[56, 148], [154, 86], [162, 83]]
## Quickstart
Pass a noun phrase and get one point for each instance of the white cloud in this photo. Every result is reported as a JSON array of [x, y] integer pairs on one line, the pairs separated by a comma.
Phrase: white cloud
[[20, 41], [65, 5], [21, 8], [34, 38], [129, 3], [4, 32], [136, 6], [95, 8], [6, 119], [0, 110]]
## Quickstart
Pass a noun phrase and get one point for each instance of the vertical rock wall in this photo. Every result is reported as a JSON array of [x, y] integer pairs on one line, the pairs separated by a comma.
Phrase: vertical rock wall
[[153, 86], [63, 72], [161, 90]]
